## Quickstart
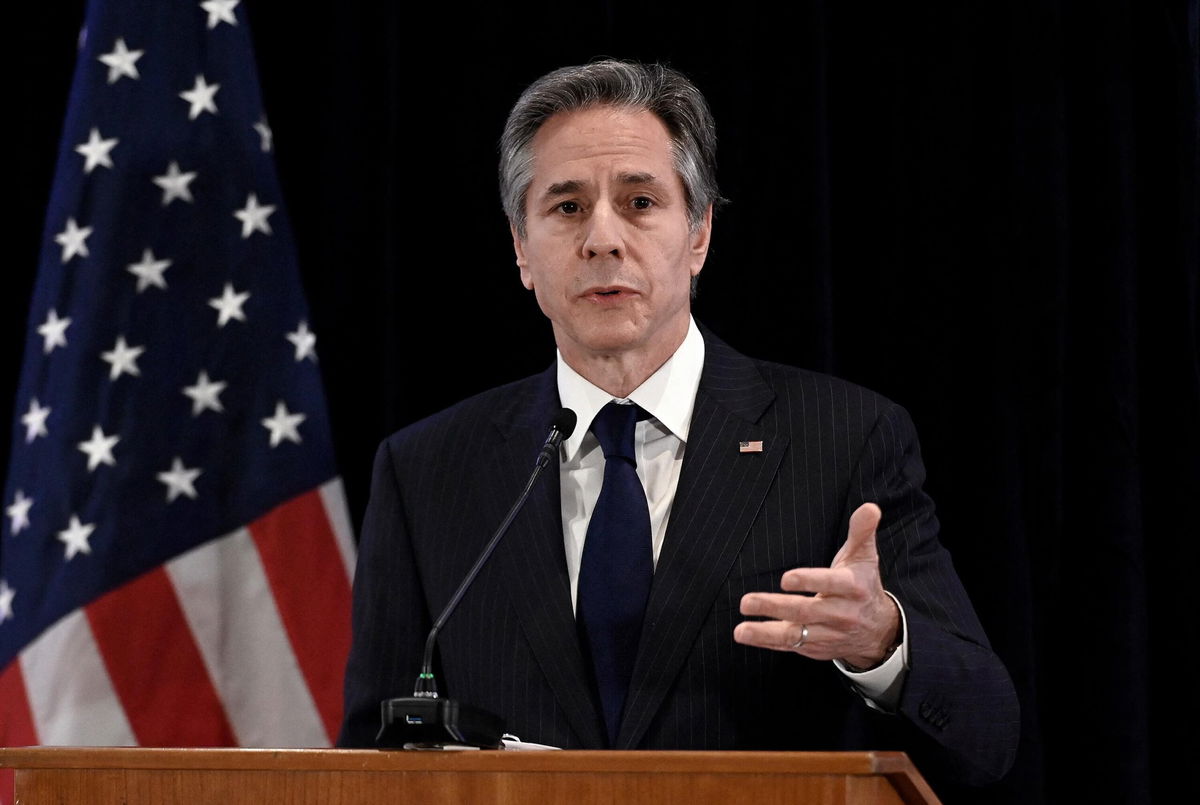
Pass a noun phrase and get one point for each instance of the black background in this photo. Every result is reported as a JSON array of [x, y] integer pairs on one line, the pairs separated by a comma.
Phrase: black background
[[985, 211]]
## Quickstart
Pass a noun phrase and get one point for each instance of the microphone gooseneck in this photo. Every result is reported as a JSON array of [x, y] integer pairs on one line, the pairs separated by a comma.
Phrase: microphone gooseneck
[[561, 427]]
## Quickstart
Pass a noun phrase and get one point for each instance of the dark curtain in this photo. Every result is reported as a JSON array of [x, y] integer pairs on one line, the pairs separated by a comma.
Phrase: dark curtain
[[989, 212]]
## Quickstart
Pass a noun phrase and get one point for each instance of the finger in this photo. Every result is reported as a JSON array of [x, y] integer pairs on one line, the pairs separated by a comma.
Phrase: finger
[[777, 635], [823, 580], [839, 612], [782, 606], [860, 541]]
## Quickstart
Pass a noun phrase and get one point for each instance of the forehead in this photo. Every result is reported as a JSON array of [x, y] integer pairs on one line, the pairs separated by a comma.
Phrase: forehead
[[582, 144]]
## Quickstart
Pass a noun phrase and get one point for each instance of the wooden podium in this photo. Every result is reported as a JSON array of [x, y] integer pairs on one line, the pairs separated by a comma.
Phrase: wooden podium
[[84, 775]]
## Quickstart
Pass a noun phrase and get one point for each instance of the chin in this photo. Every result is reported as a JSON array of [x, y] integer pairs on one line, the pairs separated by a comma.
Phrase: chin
[[618, 331]]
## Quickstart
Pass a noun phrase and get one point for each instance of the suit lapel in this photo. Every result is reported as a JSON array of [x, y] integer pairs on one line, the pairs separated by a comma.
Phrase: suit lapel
[[719, 494], [532, 561]]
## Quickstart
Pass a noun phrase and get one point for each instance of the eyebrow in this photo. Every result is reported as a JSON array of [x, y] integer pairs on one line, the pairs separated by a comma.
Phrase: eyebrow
[[569, 186]]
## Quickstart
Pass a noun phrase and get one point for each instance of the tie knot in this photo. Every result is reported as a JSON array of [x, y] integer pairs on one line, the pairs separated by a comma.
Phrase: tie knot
[[614, 426]]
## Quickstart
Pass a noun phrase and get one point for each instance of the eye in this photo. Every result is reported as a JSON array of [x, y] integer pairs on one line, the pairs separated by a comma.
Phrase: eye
[[642, 203], [568, 207]]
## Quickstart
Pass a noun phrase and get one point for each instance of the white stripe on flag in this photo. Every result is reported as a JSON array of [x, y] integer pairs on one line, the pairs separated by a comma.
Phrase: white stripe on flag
[[228, 603], [70, 694], [334, 498]]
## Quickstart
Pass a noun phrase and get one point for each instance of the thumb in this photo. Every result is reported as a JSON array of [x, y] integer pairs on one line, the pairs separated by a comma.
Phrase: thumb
[[860, 542]]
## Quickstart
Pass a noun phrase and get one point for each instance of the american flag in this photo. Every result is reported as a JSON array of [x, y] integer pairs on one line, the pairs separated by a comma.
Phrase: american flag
[[176, 555]]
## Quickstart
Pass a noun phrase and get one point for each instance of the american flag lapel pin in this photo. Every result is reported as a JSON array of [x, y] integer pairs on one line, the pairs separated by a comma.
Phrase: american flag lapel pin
[[750, 447]]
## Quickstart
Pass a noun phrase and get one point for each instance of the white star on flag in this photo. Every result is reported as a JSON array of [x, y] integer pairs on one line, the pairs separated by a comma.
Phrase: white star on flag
[[149, 271], [73, 239], [96, 151], [75, 537], [254, 217], [34, 421], [99, 449], [121, 61], [200, 96], [205, 394], [53, 331], [220, 11], [229, 305], [122, 358], [283, 425], [264, 131], [7, 594], [18, 510], [175, 184], [179, 480], [305, 342]]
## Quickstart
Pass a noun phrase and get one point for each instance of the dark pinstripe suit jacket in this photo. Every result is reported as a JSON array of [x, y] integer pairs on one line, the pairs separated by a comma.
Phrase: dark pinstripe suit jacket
[[739, 520]]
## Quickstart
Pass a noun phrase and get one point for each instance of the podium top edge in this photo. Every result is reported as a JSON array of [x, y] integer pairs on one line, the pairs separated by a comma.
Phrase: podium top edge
[[725, 762]]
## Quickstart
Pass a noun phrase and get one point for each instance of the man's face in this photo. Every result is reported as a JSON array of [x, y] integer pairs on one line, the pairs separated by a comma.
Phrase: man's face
[[608, 250]]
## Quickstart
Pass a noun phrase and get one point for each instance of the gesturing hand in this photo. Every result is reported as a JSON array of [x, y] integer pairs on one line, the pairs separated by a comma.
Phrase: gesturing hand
[[839, 612]]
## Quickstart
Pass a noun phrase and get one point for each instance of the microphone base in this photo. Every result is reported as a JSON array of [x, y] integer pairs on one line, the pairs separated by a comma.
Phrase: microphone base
[[422, 723]]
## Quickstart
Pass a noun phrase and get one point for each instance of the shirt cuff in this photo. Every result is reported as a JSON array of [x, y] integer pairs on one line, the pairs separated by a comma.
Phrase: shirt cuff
[[880, 686]]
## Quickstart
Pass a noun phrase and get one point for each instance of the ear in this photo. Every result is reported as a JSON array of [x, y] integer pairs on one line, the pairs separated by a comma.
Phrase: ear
[[700, 240], [522, 260]]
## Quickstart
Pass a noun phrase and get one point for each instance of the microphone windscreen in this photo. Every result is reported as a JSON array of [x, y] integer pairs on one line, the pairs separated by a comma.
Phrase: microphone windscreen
[[564, 422]]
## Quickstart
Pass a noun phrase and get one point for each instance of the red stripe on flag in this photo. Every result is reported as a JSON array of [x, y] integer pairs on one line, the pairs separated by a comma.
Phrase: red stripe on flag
[[155, 666], [16, 721], [308, 578]]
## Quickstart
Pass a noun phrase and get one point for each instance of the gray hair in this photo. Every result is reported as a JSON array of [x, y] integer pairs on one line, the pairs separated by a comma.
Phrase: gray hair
[[623, 84]]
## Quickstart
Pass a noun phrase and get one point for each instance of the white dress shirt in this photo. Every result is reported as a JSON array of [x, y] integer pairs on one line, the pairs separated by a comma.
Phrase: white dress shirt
[[668, 396]]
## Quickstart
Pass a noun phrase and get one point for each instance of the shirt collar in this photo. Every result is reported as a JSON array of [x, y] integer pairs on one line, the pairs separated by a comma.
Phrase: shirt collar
[[668, 395]]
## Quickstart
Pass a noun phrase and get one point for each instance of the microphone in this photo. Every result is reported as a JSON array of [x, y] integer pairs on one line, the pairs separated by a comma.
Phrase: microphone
[[424, 720]]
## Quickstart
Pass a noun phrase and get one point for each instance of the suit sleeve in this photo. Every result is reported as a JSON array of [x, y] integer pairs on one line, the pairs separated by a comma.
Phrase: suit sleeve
[[390, 620], [957, 693]]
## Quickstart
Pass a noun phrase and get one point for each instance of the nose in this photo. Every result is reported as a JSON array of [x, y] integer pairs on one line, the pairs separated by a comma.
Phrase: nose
[[602, 235]]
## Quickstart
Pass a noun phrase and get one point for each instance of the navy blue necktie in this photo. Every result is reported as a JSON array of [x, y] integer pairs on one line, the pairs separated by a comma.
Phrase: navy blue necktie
[[617, 564]]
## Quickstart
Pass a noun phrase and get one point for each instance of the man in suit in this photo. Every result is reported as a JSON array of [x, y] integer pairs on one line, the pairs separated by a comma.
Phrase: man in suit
[[784, 588]]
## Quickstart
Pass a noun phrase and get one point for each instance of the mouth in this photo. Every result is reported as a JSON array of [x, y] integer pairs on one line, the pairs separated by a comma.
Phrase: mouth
[[608, 292]]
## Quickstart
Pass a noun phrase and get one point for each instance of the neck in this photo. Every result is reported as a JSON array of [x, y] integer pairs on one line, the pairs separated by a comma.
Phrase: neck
[[616, 376], [620, 372]]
